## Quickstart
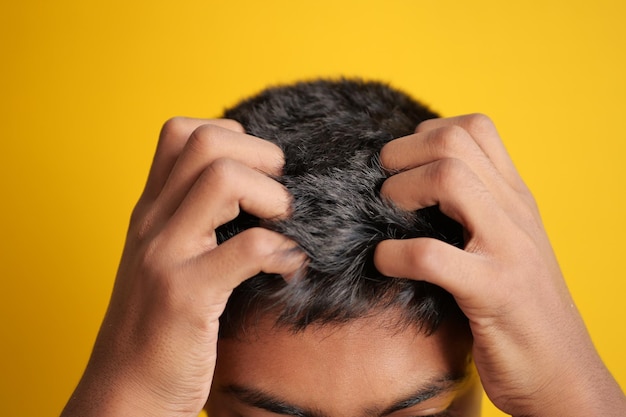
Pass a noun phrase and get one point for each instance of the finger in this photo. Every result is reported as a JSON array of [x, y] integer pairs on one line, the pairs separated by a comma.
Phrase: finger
[[447, 142], [485, 134], [250, 252], [174, 135], [430, 145], [433, 261], [207, 144], [450, 184], [225, 187]]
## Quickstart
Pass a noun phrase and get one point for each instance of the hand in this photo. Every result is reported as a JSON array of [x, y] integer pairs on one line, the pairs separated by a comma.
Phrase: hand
[[531, 348], [156, 349]]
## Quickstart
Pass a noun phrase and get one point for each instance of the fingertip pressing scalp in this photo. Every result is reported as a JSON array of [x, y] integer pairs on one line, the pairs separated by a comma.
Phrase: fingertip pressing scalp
[[331, 133]]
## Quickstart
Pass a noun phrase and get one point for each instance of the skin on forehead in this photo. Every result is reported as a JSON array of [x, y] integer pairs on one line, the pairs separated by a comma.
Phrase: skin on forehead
[[366, 367]]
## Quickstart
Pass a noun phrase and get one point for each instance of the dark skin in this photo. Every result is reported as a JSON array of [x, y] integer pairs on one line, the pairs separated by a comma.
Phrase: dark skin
[[157, 348], [362, 367]]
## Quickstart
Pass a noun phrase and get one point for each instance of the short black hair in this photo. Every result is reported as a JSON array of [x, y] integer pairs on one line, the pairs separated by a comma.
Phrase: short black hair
[[331, 132]]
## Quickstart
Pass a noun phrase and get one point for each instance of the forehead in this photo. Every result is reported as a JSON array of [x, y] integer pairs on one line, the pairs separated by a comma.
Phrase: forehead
[[341, 369]]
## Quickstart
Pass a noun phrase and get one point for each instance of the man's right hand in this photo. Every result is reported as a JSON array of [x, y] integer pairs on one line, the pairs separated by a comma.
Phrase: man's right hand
[[156, 349]]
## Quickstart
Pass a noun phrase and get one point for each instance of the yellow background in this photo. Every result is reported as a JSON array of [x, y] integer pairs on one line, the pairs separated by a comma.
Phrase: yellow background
[[85, 87]]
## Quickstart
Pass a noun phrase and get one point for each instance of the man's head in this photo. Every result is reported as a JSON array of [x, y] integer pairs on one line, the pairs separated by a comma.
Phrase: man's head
[[339, 318]]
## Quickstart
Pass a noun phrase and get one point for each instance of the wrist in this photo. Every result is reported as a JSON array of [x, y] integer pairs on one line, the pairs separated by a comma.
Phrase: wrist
[[586, 389], [102, 396]]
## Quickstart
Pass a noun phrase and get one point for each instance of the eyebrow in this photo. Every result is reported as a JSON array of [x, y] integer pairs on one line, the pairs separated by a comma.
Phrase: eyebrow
[[431, 389], [259, 399], [268, 402]]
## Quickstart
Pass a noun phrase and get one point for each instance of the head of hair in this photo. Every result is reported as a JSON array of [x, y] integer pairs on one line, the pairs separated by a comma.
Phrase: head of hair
[[331, 133]]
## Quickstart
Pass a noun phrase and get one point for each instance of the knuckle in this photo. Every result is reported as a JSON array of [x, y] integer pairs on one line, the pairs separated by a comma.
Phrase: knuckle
[[153, 260], [421, 256], [222, 172], [206, 140], [145, 228], [220, 178], [142, 222], [424, 256], [259, 243], [530, 200], [424, 125], [233, 125], [173, 127], [479, 122], [138, 213], [449, 173], [528, 216], [141, 228], [451, 140], [415, 257]]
